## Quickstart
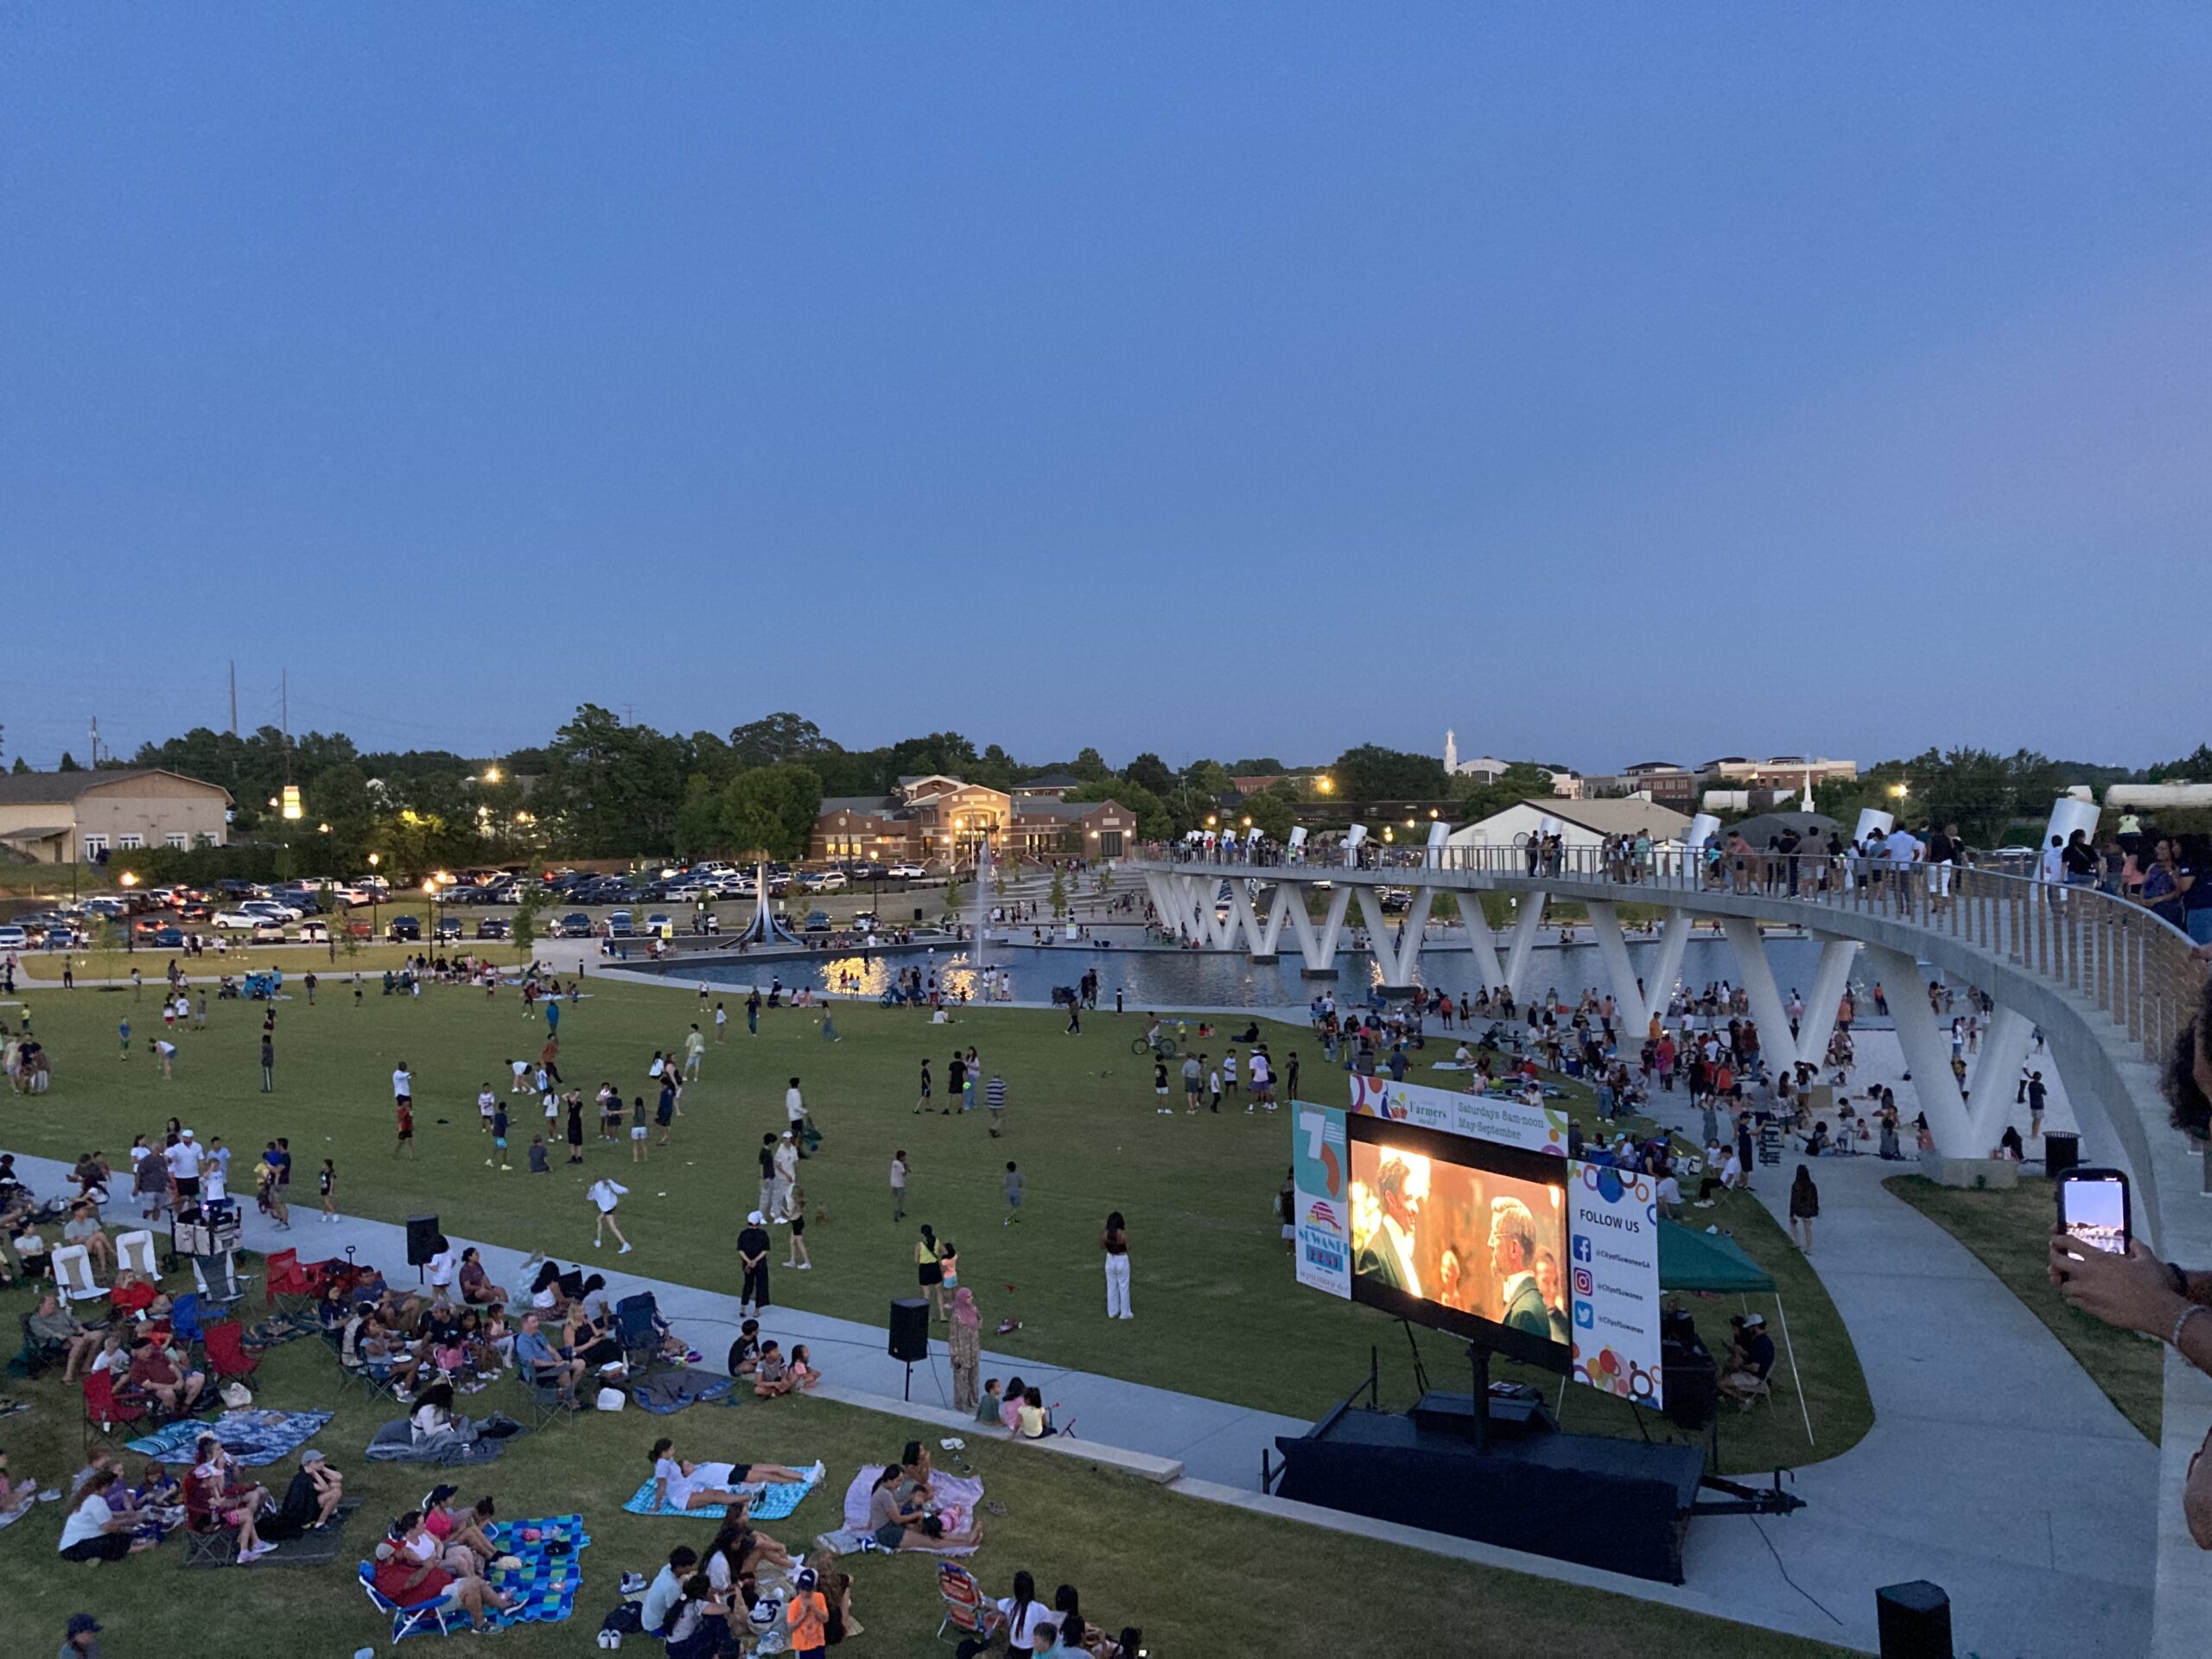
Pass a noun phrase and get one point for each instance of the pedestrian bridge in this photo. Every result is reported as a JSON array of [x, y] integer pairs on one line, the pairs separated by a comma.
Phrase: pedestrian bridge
[[2107, 984]]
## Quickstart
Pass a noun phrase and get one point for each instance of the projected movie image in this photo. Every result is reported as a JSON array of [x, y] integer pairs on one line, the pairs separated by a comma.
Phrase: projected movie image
[[1475, 1251]]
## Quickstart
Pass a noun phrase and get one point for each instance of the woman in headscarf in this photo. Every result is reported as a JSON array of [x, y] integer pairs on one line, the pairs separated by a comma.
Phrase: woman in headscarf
[[965, 1342]]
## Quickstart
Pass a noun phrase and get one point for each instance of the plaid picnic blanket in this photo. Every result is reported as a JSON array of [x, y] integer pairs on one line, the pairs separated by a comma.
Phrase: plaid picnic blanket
[[254, 1436], [544, 1585], [771, 1502]]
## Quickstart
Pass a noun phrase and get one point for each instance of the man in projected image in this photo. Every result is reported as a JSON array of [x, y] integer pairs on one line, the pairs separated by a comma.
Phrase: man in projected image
[[1513, 1260], [1400, 1186]]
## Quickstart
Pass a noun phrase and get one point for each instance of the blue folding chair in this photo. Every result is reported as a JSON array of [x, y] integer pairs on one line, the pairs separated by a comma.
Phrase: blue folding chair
[[637, 1325], [184, 1319], [417, 1618]]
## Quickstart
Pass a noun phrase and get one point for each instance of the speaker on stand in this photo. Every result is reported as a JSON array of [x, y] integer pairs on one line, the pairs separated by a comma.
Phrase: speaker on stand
[[910, 1335], [423, 1241]]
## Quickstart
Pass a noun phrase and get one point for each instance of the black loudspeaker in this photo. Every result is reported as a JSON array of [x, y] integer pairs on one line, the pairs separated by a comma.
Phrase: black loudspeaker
[[421, 1240], [1913, 1620], [1692, 1382], [910, 1330], [2061, 1151]]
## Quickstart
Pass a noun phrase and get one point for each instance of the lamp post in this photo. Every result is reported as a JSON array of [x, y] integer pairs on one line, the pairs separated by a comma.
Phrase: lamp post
[[130, 927], [376, 892], [430, 906]]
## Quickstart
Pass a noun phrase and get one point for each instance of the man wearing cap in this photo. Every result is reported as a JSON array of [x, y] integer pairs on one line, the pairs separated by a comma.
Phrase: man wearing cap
[[81, 1638], [752, 1247], [1751, 1358], [184, 1160]]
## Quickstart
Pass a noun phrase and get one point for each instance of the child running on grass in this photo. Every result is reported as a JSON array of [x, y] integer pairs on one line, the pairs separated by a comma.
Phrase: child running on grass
[[1013, 1194]]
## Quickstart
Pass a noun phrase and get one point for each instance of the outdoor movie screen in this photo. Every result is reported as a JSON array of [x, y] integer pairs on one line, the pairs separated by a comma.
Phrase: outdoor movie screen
[[1467, 1236]]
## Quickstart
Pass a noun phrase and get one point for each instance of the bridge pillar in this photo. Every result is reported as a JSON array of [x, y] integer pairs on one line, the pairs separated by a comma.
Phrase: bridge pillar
[[1396, 959], [1673, 939], [1260, 938], [1630, 1001], [1927, 1052], [1320, 948], [1776, 1044], [1830, 980], [1489, 973], [1523, 943], [1161, 890], [1993, 1082]]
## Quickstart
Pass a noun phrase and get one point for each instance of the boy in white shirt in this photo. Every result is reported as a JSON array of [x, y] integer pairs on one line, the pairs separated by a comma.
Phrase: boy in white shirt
[[606, 1194]]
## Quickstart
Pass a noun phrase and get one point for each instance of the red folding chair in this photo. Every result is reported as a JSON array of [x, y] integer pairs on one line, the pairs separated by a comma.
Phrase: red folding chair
[[103, 1411], [226, 1354], [282, 1277], [966, 1612]]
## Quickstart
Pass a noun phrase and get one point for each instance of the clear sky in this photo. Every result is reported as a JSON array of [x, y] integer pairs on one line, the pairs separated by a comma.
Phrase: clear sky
[[1606, 383]]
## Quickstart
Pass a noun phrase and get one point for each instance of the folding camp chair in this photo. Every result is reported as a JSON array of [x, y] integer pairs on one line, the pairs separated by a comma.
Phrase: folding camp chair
[[417, 1618], [637, 1327], [281, 1276], [206, 1539], [103, 1411], [226, 1354], [37, 1353], [967, 1613], [543, 1402], [184, 1319], [72, 1275], [134, 1250]]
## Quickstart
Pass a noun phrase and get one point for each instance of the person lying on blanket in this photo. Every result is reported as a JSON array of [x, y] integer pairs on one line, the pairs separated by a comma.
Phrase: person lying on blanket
[[896, 1526], [679, 1483]]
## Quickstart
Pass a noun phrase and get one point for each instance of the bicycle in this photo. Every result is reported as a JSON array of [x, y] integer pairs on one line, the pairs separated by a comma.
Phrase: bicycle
[[1164, 1048]]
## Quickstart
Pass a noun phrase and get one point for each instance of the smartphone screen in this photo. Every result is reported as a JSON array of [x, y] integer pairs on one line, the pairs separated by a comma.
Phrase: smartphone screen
[[2092, 1209]]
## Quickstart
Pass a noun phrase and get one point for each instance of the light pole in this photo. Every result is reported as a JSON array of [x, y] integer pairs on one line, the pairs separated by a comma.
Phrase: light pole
[[376, 892]]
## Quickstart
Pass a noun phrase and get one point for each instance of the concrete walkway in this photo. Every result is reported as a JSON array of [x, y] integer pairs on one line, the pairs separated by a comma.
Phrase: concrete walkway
[[1995, 1467]]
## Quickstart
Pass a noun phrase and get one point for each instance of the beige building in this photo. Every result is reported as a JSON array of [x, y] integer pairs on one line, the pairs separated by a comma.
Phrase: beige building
[[942, 822], [62, 817]]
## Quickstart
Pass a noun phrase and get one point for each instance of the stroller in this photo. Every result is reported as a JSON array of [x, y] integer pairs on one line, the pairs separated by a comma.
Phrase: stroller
[[262, 986]]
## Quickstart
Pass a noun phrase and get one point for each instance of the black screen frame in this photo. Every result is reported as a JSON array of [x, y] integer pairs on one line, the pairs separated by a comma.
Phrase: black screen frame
[[1546, 1169]]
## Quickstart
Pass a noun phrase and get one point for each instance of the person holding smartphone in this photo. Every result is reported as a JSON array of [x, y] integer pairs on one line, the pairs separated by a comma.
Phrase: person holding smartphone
[[2134, 1290]]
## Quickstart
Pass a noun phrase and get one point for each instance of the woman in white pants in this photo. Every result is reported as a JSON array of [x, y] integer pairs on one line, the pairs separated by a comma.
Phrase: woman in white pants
[[1114, 1241]]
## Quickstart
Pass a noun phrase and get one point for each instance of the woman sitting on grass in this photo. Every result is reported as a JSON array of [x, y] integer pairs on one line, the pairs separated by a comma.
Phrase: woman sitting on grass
[[681, 1484], [894, 1525], [97, 1532]]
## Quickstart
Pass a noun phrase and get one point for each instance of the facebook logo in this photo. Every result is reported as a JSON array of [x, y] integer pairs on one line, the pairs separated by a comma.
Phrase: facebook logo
[[1582, 1249], [1584, 1284], [1585, 1315]]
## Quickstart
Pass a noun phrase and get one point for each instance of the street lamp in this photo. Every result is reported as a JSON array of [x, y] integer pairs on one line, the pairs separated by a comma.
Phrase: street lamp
[[1900, 790], [1325, 784], [430, 908]]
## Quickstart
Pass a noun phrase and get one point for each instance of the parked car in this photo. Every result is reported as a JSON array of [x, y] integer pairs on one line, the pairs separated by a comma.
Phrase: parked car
[[283, 909], [909, 871], [314, 932], [238, 921], [658, 926], [574, 925], [494, 927], [830, 881], [406, 929], [268, 931], [620, 925], [14, 938], [448, 927]]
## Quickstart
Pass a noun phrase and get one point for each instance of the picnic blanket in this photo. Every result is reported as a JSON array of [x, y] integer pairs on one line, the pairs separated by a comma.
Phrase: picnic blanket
[[462, 1445], [285, 1327], [254, 1436], [772, 1501], [671, 1391], [544, 1585], [958, 1497], [308, 1549]]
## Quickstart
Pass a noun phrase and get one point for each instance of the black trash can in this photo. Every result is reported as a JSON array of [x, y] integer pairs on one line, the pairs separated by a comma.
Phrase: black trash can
[[2061, 1151]]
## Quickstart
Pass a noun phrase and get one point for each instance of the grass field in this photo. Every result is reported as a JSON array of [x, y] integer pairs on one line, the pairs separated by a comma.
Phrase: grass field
[[1219, 1313], [2010, 1234], [1196, 1577]]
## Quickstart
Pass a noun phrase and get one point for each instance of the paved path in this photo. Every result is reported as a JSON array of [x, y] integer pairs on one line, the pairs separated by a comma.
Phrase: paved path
[[1995, 1467]]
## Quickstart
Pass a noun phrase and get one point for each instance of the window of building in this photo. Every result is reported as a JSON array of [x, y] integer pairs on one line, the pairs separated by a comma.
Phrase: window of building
[[130, 841], [177, 841], [1109, 843], [95, 845]]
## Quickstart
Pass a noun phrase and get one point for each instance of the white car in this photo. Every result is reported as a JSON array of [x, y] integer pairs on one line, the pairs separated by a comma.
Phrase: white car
[[274, 909], [269, 930], [907, 872], [830, 881], [238, 921], [314, 932], [14, 938]]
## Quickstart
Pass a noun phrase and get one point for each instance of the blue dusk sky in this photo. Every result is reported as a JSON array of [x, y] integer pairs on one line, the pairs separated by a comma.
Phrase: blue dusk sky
[[1603, 382]]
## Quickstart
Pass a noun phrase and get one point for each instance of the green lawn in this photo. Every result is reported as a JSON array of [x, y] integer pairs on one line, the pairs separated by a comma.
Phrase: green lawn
[[1196, 1577], [2010, 1234], [1218, 1312]]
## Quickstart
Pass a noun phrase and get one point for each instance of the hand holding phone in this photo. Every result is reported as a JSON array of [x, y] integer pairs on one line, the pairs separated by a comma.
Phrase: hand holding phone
[[2094, 1209]]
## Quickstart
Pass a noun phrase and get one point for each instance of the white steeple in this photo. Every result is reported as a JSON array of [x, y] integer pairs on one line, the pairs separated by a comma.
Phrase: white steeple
[[1450, 752]]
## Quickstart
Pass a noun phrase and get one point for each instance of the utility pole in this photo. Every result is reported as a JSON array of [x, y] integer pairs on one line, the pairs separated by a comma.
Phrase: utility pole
[[96, 742], [234, 699]]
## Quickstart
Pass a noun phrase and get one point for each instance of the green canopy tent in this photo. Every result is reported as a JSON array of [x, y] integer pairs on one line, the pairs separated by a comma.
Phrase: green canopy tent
[[1690, 1259]]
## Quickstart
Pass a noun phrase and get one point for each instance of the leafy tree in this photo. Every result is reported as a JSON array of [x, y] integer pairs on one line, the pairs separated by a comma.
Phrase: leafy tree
[[945, 752], [1148, 771], [20, 765], [710, 755], [525, 931], [1059, 896], [1520, 781], [1271, 814], [771, 809], [2196, 767], [1372, 772], [699, 826], [1265, 766], [776, 738], [1154, 821], [612, 789], [1090, 766]]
